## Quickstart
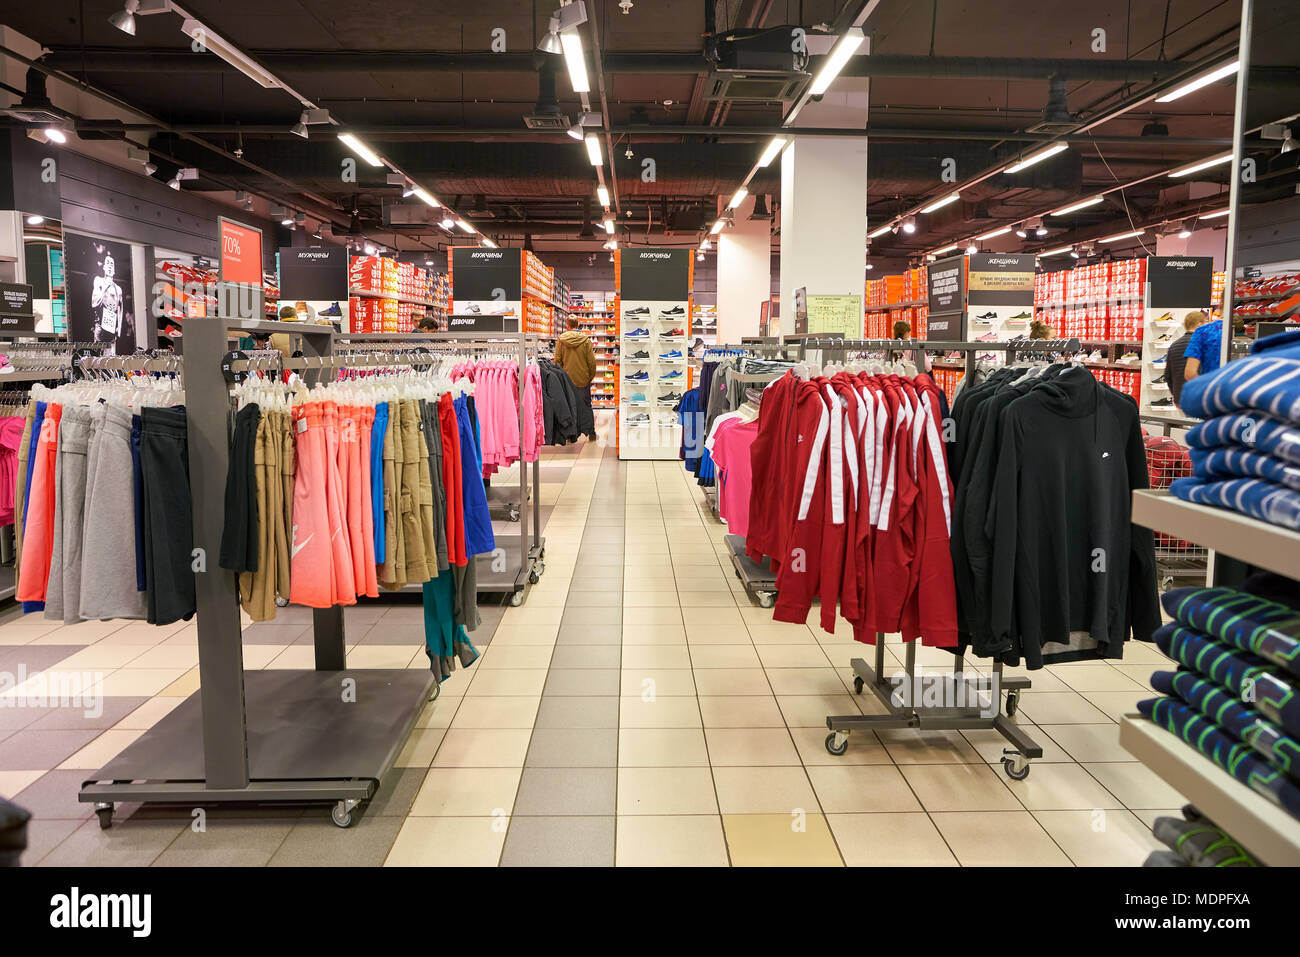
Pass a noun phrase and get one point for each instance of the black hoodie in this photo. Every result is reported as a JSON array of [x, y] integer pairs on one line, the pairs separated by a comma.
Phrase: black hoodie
[[1066, 556]]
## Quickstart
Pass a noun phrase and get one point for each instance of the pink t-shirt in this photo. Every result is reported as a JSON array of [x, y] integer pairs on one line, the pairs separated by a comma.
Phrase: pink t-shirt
[[735, 477]]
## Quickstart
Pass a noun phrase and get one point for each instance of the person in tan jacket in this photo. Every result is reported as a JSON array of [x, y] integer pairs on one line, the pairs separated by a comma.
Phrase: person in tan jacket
[[573, 354]]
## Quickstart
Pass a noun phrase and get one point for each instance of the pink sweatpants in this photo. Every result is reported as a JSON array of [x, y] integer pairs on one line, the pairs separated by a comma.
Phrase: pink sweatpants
[[311, 573]]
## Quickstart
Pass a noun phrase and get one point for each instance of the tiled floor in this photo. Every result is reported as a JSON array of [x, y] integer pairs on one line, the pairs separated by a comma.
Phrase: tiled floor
[[637, 710]]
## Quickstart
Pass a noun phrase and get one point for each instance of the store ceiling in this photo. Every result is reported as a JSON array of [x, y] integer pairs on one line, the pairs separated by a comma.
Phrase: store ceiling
[[418, 81]]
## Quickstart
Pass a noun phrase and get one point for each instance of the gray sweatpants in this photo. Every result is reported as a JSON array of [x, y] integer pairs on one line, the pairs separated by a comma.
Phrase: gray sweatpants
[[63, 593], [108, 578]]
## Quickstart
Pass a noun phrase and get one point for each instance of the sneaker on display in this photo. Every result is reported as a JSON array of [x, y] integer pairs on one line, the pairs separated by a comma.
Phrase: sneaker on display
[[1165, 318], [674, 334], [1159, 363], [675, 374], [987, 337], [172, 332], [987, 317], [670, 397], [638, 355], [639, 311], [1163, 380], [1129, 358], [1163, 340], [637, 376], [1165, 403], [1095, 356], [674, 354], [1023, 315], [333, 311], [637, 334], [473, 307], [636, 397], [674, 311], [639, 418]]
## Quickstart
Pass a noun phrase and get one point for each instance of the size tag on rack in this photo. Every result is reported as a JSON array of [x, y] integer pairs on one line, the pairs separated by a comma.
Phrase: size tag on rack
[[75, 371], [228, 373]]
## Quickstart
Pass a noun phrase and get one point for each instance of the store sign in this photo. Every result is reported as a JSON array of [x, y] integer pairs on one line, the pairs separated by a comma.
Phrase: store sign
[[16, 313], [946, 280], [486, 275], [1179, 282], [835, 315], [476, 323], [241, 253], [654, 274], [314, 274], [1000, 279]]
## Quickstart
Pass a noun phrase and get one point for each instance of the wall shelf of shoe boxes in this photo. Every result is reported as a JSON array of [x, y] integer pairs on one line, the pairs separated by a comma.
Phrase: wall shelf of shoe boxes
[[545, 297], [653, 308], [1266, 298], [508, 282], [891, 298], [596, 314], [388, 296], [188, 288]]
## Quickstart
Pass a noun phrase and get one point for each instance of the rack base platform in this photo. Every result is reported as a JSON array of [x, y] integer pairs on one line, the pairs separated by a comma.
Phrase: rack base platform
[[759, 580], [305, 742]]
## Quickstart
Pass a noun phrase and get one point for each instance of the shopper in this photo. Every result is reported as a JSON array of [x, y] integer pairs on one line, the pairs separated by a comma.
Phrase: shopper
[[1175, 357], [574, 354], [1039, 330], [1201, 354], [428, 324]]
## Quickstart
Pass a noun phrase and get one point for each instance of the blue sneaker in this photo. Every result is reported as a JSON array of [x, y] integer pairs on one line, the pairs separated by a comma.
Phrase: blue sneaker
[[675, 354], [637, 376], [636, 397], [637, 334], [675, 374], [1159, 363]]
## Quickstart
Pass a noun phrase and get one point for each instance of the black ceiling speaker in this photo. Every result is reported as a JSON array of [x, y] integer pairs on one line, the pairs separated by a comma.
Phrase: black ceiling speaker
[[586, 232], [760, 208], [354, 227]]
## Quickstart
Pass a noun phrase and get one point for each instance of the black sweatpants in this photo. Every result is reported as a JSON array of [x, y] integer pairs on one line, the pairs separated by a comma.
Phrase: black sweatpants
[[168, 515]]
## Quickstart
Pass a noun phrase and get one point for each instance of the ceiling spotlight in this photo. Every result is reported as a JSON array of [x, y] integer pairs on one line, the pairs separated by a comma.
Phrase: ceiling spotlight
[[1022, 232], [574, 130], [408, 191], [870, 266], [706, 244], [282, 214], [909, 225], [56, 135], [971, 250], [699, 256], [1074, 254], [35, 219], [447, 222], [300, 219], [124, 19], [317, 234], [150, 168], [612, 244], [1186, 231], [175, 181], [1039, 228], [551, 41], [369, 249], [1289, 143], [300, 128]]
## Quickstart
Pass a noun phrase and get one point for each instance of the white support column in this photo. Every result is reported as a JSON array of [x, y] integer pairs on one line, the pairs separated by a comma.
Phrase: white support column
[[744, 274]]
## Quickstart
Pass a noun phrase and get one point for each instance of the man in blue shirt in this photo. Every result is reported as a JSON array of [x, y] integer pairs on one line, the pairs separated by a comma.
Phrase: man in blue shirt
[[1202, 353]]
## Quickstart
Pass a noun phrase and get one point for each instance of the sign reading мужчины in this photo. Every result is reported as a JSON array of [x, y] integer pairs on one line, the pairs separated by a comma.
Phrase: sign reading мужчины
[[1000, 279], [655, 275]]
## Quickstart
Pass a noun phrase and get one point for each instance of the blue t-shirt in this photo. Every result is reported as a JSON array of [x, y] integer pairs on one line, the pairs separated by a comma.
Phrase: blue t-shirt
[[1205, 345]]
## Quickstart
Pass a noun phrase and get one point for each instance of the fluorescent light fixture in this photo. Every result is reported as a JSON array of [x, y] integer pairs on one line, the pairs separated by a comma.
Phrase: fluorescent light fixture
[[995, 232], [1204, 164], [1214, 75], [576, 61], [945, 249], [35, 219], [360, 148], [488, 243], [236, 57], [609, 226], [56, 134], [424, 194], [465, 226], [1038, 157], [941, 203], [1214, 215], [1074, 208], [447, 222], [717, 227], [770, 153], [839, 56], [738, 197], [602, 194], [593, 149], [881, 231], [1128, 235], [1055, 252]]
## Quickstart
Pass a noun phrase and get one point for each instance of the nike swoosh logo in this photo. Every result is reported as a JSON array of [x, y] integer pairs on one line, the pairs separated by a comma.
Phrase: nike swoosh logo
[[297, 547]]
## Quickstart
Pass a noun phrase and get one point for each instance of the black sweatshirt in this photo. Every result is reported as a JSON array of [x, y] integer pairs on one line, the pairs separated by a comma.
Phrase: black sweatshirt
[[1066, 556]]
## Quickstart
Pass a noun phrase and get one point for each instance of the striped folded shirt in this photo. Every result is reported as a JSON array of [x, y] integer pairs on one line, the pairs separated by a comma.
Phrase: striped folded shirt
[[1267, 380], [1254, 497], [1259, 432], [1233, 461], [1257, 625]]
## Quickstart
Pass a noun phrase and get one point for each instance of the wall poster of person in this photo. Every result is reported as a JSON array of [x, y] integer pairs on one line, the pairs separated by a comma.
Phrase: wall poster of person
[[101, 297]]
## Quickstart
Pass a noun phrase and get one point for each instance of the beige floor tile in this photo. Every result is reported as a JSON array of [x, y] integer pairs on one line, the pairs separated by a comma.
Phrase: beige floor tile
[[99, 657], [478, 792], [508, 681], [999, 839], [864, 748], [1061, 787], [1117, 704], [704, 635], [420, 747], [516, 656], [294, 657], [104, 748], [677, 840], [641, 634], [654, 657], [89, 630], [385, 656], [525, 635], [496, 711], [661, 615], [142, 633], [1101, 677], [182, 687], [740, 711], [448, 842], [1141, 673], [905, 839], [713, 616], [1098, 838], [959, 787], [665, 791], [665, 712], [792, 656], [1136, 785], [483, 748], [780, 633], [1089, 742], [1053, 707], [657, 682], [764, 790], [138, 682], [912, 746], [717, 598], [22, 631], [148, 714], [1044, 679], [256, 657], [532, 615], [751, 747], [11, 782], [662, 748], [812, 710], [720, 681], [723, 656], [780, 840], [849, 788], [805, 681], [655, 599]]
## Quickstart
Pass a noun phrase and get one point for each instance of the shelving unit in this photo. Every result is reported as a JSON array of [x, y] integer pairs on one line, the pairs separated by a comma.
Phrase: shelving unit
[[597, 317], [1263, 545]]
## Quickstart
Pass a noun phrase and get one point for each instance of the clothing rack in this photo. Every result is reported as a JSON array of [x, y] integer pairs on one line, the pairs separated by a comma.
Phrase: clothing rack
[[267, 736]]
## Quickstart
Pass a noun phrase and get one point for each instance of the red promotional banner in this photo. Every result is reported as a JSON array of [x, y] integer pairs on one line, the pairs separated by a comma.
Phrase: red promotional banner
[[241, 253]]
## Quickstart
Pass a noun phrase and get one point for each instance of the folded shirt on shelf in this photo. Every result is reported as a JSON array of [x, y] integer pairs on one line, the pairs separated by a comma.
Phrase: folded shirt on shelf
[[1261, 433], [1268, 380], [1246, 621], [1227, 462], [1257, 498], [1244, 675], [1237, 759], [1246, 725]]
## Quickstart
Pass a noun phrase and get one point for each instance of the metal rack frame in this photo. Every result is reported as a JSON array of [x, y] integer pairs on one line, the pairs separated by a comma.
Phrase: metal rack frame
[[259, 736]]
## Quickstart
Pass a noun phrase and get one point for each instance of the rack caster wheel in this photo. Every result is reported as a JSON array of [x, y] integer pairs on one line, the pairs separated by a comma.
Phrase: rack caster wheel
[[341, 813], [858, 684], [1016, 766], [437, 690], [105, 814], [513, 514], [766, 599], [516, 599], [1013, 703], [837, 742]]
